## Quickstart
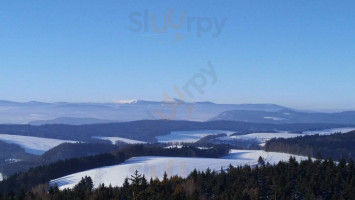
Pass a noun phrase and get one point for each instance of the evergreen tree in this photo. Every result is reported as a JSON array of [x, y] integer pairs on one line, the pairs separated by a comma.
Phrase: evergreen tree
[[136, 182], [261, 161]]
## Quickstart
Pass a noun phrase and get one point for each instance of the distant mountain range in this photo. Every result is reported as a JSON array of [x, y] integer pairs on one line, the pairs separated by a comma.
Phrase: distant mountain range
[[39, 113], [286, 116], [71, 121]]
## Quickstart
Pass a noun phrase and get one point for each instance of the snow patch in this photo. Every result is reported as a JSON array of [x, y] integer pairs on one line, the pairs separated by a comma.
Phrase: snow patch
[[262, 138], [119, 139], [125, 101], [204, 148], [33, 145], [174, 147], [189, 136], [330, 131], [12, 160], [274, 118], [269, 157]]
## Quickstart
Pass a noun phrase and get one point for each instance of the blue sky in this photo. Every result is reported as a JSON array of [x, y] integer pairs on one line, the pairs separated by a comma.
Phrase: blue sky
[[294, 53]]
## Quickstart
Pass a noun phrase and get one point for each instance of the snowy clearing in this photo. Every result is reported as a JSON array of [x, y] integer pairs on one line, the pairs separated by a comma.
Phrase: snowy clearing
[[154, 167], [174, 147], [262, 138], [33, 145], [119, 139], [330, 131], [269, 157], [189, 136], [12, 160], [275, 118], [177, 137]]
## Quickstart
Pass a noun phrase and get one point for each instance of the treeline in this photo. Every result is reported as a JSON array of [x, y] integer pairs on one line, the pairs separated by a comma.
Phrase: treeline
[[45, 173], [335, 146], [286, 180]]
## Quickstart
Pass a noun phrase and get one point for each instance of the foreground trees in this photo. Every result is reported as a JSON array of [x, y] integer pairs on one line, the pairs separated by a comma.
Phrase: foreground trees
[[319, 179]]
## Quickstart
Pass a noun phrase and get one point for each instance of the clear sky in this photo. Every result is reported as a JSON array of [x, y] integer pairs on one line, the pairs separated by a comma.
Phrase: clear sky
[[295, 53]]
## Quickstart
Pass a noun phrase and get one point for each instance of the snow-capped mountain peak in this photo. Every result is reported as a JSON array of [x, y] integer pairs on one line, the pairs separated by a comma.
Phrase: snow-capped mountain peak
[[125, 101]]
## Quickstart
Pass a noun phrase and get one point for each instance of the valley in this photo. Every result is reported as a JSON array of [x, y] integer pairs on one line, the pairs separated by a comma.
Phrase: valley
[[177, 100]]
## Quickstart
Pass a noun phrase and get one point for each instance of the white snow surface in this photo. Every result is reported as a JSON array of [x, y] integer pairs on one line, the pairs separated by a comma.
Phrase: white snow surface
[[177, 137], [269, 157], [1, 178], [189, 136], [12, 160], [262, 138], [274, 118], [330, 131], [155, 166], [125, 101], [174, 147], [119, 139], [33, 145]]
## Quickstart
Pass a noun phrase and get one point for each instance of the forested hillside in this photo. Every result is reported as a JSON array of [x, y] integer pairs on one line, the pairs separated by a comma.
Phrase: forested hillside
[[286, 180], [335, 146], [9, 151], [61, 152]]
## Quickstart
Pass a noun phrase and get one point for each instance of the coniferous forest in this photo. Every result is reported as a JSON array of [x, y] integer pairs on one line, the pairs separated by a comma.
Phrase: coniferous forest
[[335, 146], [309, 179]]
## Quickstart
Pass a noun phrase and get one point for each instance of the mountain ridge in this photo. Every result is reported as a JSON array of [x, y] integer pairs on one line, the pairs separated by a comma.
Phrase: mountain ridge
[[286, 116], [127, 110]]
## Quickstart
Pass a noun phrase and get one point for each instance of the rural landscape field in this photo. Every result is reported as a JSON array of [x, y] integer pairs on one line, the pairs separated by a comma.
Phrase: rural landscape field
[[158, 100]]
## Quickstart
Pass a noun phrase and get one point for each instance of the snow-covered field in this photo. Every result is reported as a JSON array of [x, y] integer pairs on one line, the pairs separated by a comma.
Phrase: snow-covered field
[[330, 131], [154, 167], [33, 145], [119, 139], [262, 138], [12, 160], [253, 155], [189, 136], [194, 136]]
